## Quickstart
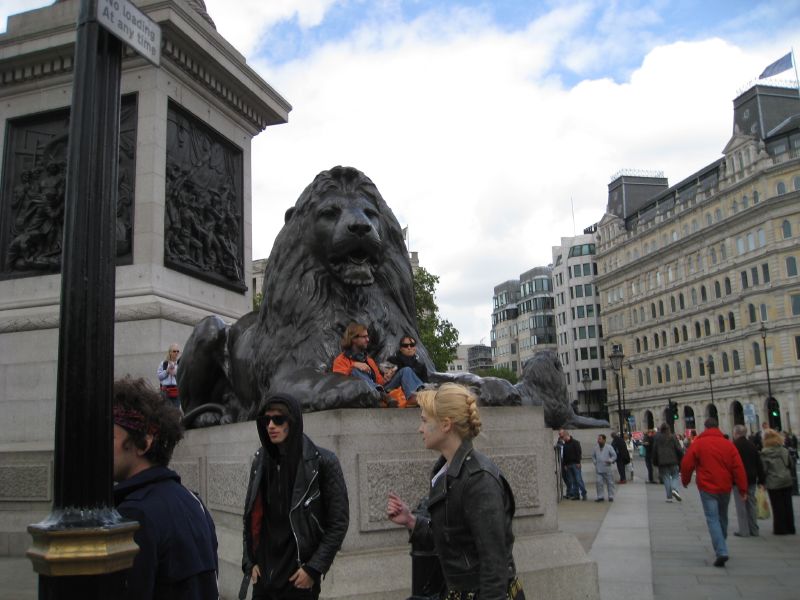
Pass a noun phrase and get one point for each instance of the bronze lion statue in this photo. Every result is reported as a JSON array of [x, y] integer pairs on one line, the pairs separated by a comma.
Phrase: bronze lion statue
[[340, 257]]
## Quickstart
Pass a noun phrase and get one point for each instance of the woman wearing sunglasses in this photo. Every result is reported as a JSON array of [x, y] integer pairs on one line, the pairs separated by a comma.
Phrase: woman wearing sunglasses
[[470, 503], [296, 510], [406, 371]]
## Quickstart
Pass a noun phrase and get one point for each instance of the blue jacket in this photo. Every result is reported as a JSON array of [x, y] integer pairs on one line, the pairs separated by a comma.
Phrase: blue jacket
[[177, 557]]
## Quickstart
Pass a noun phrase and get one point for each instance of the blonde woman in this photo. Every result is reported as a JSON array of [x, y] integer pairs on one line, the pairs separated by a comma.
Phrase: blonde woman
[[777, 462], [167, 375], [470, 502]]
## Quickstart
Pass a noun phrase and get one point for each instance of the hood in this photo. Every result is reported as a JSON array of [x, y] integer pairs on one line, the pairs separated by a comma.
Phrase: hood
[[773, 450], [293, 446]]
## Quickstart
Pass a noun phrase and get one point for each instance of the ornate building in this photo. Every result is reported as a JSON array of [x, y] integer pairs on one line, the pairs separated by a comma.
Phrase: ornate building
[[699, 281], [522, 319]]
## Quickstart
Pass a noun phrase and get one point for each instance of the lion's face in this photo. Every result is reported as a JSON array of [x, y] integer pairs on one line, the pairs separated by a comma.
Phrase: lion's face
[[346, 237]]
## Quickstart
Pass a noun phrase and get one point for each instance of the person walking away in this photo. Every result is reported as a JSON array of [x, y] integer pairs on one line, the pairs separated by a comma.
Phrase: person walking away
[[167, 373], [667, 454], [296, 509], [470, 503], [775, 459], [603, 457], [746, 511], [790, 443], [718, 468], [177, 558], [623, 456], [572, 455], [647, 442]]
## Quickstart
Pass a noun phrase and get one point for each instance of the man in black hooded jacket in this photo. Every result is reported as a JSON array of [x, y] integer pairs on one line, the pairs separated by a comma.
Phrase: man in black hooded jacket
[[296, 511]]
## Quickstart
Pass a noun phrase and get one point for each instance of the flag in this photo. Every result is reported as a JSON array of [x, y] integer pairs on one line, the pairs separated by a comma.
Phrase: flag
[[405, 233], [784, 63]]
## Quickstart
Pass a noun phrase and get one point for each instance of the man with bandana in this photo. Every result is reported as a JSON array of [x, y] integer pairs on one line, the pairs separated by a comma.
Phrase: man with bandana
[[177, 557]]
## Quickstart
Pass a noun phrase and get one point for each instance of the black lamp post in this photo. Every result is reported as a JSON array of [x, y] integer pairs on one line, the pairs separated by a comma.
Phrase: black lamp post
[[710, 368], [763, 331], [617, 356], [587, 384]]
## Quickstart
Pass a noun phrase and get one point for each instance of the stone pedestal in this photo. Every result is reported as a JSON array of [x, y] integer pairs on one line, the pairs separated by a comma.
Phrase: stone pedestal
[[186, 132], [380, 450]]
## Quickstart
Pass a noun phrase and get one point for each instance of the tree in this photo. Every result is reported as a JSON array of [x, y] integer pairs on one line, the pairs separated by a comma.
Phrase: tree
[[501, 373], [438, 335]]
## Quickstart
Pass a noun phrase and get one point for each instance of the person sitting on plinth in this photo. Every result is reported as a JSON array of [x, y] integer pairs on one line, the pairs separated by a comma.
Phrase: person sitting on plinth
[[405, 370]]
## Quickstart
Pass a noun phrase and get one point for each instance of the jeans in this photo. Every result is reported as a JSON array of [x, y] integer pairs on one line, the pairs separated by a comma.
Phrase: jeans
[[575, 487], [746, 513], [407, 379], [670, 476], [715, 507], [365, 376], [608, 478]]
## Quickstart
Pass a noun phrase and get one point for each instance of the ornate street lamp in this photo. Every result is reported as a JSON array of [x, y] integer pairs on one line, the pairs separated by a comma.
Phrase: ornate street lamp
[[616, 357], [763, 331], [710, 368]]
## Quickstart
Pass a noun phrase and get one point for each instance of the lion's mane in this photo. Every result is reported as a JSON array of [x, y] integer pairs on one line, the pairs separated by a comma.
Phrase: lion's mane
[[306, 308]]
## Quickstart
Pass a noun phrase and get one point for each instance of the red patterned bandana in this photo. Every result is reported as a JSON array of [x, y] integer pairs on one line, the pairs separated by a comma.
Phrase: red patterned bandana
[[133, 420]]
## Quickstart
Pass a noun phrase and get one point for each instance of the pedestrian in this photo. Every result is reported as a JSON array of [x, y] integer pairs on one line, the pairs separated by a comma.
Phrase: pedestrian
[[758, 436], [746, 511], [603, 457], [790, 443], [623, 456], [572, 454], [647, 442], [296, 509], [177, 558], [167, 373], [775, 459], [718, 468], [667, 454], [631, 454], [470, 503]]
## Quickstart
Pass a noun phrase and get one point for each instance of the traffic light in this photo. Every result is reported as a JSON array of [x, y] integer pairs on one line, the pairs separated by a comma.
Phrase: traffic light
[[673, 409]]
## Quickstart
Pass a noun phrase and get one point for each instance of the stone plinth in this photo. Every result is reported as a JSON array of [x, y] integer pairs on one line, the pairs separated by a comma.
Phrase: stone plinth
[[380, 450]]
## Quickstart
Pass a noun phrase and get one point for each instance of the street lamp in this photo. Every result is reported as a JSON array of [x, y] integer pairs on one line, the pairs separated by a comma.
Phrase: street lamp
[[617, 356], [710, 367], [587, 383], [763, 331]]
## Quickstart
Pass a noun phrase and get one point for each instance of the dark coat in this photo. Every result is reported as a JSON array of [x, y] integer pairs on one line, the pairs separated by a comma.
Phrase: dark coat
[[177, 557], [667, 451], [471, 508], [412, 362], [320, 512], [623, 456], [751, 461], [571, 454]]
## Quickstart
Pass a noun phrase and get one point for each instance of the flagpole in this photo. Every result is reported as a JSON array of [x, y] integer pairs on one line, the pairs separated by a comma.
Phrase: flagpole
[[796, 78]]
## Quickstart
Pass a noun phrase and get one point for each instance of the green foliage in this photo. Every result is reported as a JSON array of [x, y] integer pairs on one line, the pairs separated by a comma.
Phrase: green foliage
[[503, 373], [438, 335], [258, 298]]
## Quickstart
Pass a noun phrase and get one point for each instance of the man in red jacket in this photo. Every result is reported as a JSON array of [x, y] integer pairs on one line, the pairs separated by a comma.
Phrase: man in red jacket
[[718, 467]]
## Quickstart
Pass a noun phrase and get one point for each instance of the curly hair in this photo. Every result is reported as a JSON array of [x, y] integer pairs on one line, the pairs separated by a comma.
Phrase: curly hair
[[456, 402], [147, 414]]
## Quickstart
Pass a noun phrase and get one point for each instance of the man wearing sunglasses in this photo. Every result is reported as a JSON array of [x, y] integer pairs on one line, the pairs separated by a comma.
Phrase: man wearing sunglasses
[[296, 510]]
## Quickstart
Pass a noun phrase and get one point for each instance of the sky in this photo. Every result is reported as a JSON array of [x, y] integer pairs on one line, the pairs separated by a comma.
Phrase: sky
[[492, 128]]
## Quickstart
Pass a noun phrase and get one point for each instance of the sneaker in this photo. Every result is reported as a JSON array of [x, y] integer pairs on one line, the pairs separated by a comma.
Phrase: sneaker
[[720, 562], [610, 499], [622, 482], [669, 500], [575, 498], [600, 500], [583, 497], [677, 496]]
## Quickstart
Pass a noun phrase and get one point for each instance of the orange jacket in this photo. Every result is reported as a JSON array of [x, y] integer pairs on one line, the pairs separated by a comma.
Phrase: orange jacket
[[344, 366]]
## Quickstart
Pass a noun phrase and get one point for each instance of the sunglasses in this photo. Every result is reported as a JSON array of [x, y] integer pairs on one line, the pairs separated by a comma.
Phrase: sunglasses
[[277, 419], [408, 345]]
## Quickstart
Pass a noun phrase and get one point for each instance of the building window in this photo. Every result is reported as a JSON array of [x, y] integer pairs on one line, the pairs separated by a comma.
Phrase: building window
[[796, 305], [731, 321], [672, 303], [735, 207], [647, 375], [685, 332], [791, 266], [744, 280], [786, 228], [644, 341], [694, 297], [781, 189], [708, 220], [797, 346], [655, 341], [675, 335], [688, 366], [707, 327], [701, 367], [751, 310], [721, 323], [666, 373], [736, 364], [641, 378], [726, 366], [756, 354], [717, 290], [755, 198], [796, 182], [703, 294], [764, 312], [740, 245], [765, 272], [754, 275], [679, 370], [728, 290], [717, 215], [697, 330], [751, 241], [659, 378], [681, 302]]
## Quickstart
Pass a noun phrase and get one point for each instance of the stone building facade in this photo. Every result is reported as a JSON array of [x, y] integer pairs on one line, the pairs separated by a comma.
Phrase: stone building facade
[[699, 281]]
